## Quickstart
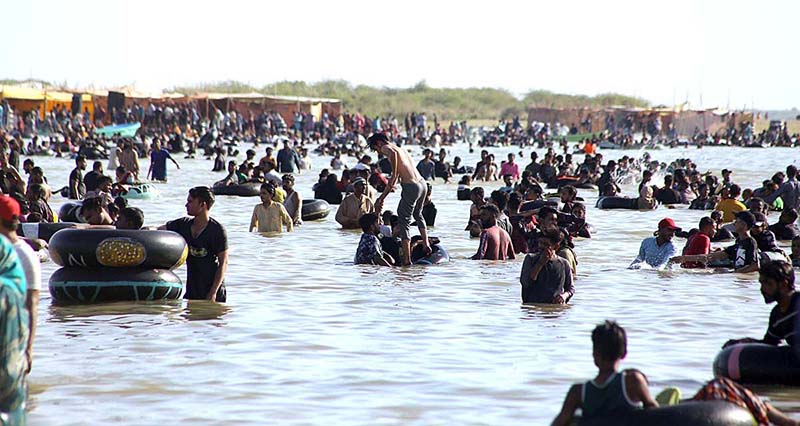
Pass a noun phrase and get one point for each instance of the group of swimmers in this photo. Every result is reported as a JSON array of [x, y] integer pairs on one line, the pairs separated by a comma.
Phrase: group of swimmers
[[516, 219]]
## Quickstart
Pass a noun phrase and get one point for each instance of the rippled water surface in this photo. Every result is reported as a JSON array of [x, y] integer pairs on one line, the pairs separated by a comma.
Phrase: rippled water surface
[[308, 338]]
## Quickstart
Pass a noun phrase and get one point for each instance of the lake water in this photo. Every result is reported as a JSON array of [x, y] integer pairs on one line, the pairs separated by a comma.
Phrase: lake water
[[308, 338]]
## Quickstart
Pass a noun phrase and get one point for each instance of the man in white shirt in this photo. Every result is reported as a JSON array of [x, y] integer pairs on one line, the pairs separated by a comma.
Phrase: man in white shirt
[[9, 222]]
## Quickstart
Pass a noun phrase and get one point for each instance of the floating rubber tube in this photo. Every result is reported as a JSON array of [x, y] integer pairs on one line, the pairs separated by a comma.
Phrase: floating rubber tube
[[315, 210], [608, 203], [694, 413], [249, 189], [144, 191], [439, 255], [43, 230], [83, 285], [755, 363], [118, 248]]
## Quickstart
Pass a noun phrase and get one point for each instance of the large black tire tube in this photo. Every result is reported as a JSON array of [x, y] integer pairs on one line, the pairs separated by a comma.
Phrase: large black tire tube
[[755, 363], [43, 230], [84, 285], [439, 255], [118, 248], [607, 203], [249, 189], [315, 210], [694, 413]]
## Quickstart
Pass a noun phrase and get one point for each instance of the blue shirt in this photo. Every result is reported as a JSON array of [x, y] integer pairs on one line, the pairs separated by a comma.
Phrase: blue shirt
[[654, 255], [368, 248], [426, 169], [159, 161]]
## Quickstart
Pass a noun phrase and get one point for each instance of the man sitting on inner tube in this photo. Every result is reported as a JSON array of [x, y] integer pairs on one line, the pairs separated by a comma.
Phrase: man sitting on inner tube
[[777, 285]]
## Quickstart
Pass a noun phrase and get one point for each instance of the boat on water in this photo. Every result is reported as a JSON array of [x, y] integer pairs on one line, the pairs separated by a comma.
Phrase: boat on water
[[125, 130]]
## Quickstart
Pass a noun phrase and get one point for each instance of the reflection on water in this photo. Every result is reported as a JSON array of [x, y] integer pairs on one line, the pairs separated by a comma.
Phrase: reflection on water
[[203, 310], [308, 338], [535, 311]]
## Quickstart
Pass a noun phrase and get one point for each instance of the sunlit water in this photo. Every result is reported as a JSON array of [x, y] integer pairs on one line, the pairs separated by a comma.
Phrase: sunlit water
[[308, 338]]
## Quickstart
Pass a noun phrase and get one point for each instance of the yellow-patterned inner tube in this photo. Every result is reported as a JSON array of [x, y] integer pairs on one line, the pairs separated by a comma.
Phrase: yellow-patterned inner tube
[[120, 252], [184, 255]]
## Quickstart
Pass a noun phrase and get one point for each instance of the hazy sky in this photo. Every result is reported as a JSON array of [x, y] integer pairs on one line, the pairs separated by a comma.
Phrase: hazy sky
[[733, 53]]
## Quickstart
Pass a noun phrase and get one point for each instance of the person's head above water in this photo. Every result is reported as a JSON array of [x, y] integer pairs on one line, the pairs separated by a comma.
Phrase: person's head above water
[[369, 223], [267, 192], [130, 218], [200, 197], [667, 228], [609, 343], [377, 140], [489, 214], [777, 280]]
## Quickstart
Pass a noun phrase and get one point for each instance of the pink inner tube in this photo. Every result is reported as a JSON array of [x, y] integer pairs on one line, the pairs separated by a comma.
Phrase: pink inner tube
[[733, 363]]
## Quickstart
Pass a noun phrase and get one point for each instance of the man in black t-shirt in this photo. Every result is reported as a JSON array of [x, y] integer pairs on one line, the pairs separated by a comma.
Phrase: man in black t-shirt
[[667, 195], [208, 247], [777, 285], [90, 179], [77, 189]]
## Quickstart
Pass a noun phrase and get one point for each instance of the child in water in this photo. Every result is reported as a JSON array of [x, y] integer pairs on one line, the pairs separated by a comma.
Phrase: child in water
[[270, 215]]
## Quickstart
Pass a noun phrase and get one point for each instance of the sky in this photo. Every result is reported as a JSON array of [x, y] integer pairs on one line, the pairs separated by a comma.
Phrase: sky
[[730, 54]]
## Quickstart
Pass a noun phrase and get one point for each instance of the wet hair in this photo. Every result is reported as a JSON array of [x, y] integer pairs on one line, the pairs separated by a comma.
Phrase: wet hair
[[121, 202], [204, 194], [778, 270], [377, 137], [38, 190], [610, 341], [134, 216], [499, 199], [570, 190], [546, 210], [269, 187], [553, 236], [476, 191], [93, 203], [491, 208], [705, 221], [366, 221], [514, 201], [104, 179]]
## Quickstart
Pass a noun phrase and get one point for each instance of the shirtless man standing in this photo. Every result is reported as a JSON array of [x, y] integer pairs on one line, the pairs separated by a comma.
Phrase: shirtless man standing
[[412, 196]]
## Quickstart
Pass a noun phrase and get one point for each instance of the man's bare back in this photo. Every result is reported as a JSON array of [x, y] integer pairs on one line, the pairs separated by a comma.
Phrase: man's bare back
[[401, 163]]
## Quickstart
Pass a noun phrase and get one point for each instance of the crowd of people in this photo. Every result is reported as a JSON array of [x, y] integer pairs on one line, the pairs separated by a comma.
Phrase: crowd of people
[[517, 219]]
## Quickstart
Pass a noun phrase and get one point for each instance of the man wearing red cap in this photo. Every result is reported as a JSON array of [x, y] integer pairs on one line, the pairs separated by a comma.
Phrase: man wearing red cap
[[658, 249], [9, 222]]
